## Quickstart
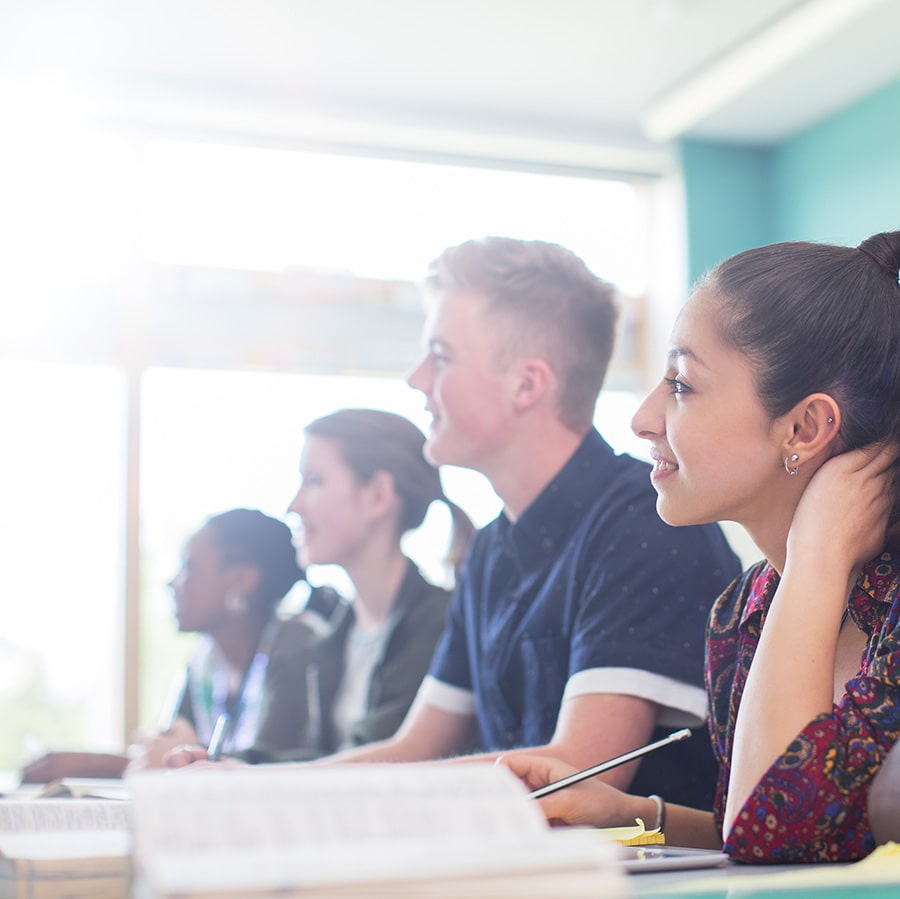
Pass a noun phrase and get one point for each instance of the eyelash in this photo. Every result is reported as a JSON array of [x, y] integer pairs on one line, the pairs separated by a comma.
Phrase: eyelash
[[676, 386]]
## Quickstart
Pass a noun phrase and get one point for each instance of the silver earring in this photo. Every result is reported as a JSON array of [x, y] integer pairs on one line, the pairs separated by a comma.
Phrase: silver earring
[[830, 421], [235, 604], [792, 469]]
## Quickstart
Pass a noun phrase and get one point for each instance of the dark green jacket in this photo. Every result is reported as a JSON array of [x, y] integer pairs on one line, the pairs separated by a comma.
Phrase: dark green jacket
[[314, 676]]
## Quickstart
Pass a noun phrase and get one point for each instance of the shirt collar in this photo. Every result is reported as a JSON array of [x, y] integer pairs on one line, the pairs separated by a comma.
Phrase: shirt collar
[[879, 582], [551, 519], [764, 581]]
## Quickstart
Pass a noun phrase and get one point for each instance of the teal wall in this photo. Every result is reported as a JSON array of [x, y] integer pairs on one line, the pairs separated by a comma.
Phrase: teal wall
[[838, 182], [727, 196]]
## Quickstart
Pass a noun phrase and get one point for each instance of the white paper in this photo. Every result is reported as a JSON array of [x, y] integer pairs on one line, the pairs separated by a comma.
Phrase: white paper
[[417, 830], [38, 815]]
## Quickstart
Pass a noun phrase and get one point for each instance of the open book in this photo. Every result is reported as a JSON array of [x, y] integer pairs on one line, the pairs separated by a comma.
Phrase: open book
[[84, 788], [68, 848], [359, 831]]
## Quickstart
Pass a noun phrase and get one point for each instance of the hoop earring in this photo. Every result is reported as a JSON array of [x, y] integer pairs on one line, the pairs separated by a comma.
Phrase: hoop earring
[[792, 469]]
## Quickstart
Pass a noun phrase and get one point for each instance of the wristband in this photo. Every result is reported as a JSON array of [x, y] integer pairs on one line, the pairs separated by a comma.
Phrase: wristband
[[660, 813]]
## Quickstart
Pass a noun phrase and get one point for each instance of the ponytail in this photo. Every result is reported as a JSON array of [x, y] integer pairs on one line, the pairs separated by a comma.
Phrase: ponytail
[[372, 440], [461, 534]]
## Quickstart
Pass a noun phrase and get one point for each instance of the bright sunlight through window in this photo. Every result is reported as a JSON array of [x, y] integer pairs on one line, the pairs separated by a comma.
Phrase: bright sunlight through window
[[241, 207]]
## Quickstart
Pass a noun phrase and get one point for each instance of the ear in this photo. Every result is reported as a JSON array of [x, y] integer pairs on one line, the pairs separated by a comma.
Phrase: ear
[[380, 494], [243, 579], [814, 424], [534, 380]]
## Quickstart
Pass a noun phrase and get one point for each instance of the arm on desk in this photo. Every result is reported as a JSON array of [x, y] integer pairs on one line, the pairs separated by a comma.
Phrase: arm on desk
[[582, 735], [593, 803], [57, 765], [427, 733]]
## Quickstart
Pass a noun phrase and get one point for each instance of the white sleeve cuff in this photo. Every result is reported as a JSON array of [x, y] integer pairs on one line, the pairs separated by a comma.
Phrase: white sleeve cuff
[[681, 704], [446, 697]]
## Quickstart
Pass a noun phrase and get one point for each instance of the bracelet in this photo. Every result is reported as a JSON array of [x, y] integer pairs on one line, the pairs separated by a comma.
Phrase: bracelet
[[660, 813]]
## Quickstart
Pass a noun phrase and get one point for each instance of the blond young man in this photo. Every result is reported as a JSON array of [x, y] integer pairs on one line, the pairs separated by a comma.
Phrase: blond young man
[[577, 628]]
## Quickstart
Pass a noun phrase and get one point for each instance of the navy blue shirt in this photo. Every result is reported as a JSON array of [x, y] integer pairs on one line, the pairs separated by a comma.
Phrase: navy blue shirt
[[589, 590]]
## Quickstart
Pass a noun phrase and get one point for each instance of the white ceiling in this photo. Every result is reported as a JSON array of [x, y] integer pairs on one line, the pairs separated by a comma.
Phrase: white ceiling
[[560, 70]]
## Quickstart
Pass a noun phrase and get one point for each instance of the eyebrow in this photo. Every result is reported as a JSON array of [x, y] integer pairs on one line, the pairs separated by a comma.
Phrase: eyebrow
[[680, 352]]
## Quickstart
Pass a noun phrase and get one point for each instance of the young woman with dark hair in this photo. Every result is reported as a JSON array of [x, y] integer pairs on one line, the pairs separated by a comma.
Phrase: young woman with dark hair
[[235, 570], [365, 483], [780, 409]]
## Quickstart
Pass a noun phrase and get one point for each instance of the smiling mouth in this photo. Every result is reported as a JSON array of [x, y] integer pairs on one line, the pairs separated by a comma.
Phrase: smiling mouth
[[664, 465]]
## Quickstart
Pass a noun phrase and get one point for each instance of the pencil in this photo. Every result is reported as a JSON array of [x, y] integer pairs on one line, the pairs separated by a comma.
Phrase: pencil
[[579, 776]]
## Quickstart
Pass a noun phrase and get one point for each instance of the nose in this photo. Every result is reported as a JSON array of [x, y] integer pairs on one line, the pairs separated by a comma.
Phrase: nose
[[417, 378], [648, 422], [296, 502]]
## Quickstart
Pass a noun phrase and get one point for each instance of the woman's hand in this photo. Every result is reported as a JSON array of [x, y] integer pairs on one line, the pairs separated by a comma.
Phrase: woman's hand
[[149, 752], [590, 803], [839, 524], [185, 754], [196, 756], [843, 513]]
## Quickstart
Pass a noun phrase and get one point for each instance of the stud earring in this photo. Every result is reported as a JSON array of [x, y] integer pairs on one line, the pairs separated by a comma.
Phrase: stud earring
[[792, 469], [235, 604], [830, 420]]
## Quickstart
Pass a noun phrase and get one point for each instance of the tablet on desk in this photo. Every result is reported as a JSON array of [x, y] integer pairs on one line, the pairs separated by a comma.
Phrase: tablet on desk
[[644, 859]]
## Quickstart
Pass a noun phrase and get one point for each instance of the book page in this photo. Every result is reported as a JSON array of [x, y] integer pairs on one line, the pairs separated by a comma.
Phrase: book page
[[354, 827], [40, 815], [60, 845], [545, 862], [289, 806]]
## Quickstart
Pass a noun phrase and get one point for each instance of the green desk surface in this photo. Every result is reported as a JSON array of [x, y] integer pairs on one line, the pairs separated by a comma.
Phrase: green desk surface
[[875, 878]]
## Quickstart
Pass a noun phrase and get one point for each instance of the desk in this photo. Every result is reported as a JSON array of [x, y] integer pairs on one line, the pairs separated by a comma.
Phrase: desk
[[735, 881]]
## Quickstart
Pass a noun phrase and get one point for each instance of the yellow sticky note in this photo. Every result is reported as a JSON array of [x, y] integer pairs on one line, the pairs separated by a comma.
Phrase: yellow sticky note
[[634, 835]]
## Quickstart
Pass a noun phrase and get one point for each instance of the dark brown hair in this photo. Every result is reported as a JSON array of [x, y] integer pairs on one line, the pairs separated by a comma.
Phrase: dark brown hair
[[819, 318], [249, 537], [370, 440]]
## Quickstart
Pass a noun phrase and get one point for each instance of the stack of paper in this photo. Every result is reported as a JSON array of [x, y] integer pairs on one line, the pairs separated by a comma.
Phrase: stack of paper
[[50, 849], [352, 831]]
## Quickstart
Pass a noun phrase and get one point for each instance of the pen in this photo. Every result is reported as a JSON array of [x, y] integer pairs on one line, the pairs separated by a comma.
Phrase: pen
[[579, 776], [217, 740]]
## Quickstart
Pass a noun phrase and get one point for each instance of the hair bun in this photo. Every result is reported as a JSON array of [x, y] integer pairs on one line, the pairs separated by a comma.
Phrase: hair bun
[[884, 250]]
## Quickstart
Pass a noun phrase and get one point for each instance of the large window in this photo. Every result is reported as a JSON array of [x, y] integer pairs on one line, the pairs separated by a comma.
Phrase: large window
[[218, 297], [62, 485], [245, 207], [218, 440]]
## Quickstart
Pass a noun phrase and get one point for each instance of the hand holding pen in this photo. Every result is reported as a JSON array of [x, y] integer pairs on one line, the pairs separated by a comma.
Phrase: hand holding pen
[[594, 803], [184, 755], [608, 765]]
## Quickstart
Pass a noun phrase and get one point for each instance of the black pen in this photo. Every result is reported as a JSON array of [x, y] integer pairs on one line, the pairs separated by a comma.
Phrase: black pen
[[217, 740], [579, 776]]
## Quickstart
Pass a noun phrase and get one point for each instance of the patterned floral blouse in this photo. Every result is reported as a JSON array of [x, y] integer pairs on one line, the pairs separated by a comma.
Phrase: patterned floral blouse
[[811, 804]]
